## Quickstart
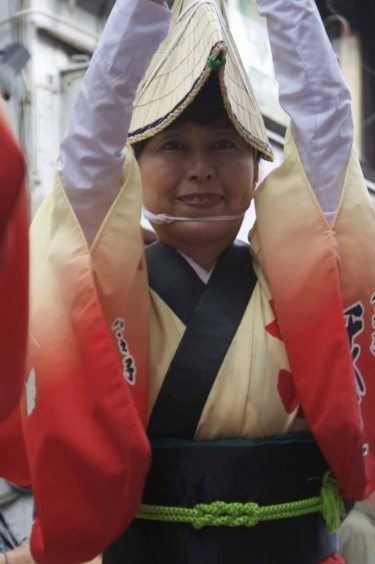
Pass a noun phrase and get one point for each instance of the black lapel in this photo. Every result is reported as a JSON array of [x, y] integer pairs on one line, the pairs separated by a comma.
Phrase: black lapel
[[204, 345], [173, 279]]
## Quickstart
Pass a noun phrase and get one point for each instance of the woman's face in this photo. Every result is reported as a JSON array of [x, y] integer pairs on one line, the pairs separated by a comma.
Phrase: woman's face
[[193, 170]]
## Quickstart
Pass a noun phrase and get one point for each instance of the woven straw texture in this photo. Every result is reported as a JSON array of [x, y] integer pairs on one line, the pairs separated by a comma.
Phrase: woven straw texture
[[180, 68]]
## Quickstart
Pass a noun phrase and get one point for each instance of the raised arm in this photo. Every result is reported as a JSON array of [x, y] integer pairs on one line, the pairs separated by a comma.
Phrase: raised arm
[[313, 93], [91, 154]]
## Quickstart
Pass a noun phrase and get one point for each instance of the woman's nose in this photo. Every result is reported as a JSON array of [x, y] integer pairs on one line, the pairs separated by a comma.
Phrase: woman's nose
[[200, 168]]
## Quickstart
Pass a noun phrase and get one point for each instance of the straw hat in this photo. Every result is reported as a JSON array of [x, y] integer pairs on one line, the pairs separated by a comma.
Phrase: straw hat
[[199, 43]]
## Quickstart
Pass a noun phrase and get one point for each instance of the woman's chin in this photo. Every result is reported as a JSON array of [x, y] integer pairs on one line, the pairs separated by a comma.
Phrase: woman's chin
[[198, 232]]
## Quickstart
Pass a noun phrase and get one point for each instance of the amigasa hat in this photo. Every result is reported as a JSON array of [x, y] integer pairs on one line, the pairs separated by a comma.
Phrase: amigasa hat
[[198, 43]]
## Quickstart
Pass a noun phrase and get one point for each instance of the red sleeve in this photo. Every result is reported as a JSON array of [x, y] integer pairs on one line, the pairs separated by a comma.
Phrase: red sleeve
[[14, 220], [11, 174]]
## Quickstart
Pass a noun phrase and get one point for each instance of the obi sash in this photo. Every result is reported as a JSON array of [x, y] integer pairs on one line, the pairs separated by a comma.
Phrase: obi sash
[[265, 471]]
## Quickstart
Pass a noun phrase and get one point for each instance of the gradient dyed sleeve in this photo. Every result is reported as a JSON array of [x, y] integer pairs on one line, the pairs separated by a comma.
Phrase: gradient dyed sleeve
[[313, 93], [87, 394], [323, 285]]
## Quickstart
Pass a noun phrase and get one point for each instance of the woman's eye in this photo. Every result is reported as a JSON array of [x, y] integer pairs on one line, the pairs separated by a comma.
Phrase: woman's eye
[[223, 144], [172, 145]]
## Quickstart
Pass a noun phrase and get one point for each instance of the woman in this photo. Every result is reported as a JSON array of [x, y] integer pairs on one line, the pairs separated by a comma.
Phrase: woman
[[217, 367]]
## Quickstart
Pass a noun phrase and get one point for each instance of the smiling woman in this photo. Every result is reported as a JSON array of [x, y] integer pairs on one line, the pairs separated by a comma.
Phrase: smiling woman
[[231, 361], [188, 171]]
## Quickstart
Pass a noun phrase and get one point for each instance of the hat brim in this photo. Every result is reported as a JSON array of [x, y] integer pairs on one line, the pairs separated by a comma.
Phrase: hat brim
[[180, 69]]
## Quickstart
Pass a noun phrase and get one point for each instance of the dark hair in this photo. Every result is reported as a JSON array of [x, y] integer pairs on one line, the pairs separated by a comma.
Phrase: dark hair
[[206, 108]]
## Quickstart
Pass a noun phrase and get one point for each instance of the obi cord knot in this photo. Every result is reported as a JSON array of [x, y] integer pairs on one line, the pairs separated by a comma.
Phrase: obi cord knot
[[333, 509], [236, 514], [219, 513], [215, 62]]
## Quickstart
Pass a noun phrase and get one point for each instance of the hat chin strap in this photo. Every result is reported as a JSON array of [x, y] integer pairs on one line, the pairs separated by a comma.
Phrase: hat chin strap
[[164, 219]]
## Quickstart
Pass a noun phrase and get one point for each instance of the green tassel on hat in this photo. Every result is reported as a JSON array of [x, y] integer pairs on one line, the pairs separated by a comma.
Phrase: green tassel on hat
[[215, 63]]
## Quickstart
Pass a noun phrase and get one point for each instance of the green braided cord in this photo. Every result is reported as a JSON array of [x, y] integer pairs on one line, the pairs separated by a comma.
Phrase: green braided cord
[[215, 63], [220, 513]]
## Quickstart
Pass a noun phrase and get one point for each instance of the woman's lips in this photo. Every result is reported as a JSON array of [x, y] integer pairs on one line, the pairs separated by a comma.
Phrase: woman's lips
[[201, 201]]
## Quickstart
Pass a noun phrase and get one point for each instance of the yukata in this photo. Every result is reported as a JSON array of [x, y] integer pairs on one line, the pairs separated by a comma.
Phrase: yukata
[[115, 307]]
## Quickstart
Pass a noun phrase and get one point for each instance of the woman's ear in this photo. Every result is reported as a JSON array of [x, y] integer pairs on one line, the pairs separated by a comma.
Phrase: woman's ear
[[256, 172]]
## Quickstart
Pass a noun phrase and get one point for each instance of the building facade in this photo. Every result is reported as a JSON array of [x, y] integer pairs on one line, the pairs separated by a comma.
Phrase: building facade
[[61, 36]]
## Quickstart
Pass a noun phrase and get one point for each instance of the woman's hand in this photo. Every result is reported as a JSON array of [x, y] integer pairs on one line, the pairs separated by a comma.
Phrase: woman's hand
[[20, 555]]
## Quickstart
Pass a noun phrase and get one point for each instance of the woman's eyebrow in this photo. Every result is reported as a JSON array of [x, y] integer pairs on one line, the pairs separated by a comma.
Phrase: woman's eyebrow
[[227, 131], [170, 131], [227, 127], [171, 128]]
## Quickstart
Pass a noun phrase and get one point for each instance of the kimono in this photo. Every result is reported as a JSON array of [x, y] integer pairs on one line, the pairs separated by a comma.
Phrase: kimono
[[269, 381], [199, 401]]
